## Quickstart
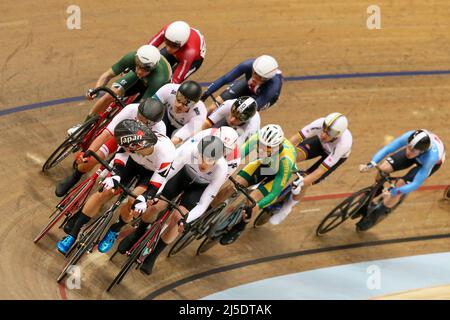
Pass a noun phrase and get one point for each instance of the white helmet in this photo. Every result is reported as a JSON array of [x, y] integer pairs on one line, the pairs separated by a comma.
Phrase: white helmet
[[178, 32], [228, 136], [335, 124], [149, 56], [271, 135], [265, 66]]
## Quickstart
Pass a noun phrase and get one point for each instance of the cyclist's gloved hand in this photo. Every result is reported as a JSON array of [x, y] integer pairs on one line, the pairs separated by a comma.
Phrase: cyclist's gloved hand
[[183, 226], [90, 95], [140, 204], [366, 167], [111, 182], [297, 185], [247, 211]]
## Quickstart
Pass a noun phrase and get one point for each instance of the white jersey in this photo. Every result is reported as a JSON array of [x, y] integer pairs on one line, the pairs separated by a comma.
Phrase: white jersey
[[187, 157], [159, 161], [219, 117], [187, 122], [131, 112], [233, 158], [336, 149], [439, 145]]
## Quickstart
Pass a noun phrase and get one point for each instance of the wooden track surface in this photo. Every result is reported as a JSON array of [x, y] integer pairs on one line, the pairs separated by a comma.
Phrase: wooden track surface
[[42, 60]]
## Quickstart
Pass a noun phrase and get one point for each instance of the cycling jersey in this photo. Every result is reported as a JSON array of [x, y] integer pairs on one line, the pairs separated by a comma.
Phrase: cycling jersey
[[337, 149], [219, 117], [193, 50], [151, 83], [265, 95], [426, 161], [187, 158], [187, 122], [277, 167]]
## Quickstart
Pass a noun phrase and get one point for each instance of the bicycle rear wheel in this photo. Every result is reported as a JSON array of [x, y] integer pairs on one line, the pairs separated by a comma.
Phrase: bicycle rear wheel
[[182, 242], [262, 218], [71, 144], [343, 211], [206, 244], [447, 193]]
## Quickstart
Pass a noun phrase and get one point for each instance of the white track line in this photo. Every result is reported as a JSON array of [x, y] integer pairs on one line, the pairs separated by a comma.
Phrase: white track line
[[13, 23], [36, 159]]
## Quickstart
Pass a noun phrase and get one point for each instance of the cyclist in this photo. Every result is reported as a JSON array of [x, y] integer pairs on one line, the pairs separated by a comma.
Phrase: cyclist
[[261, 80], [327, 138], [419, 148], [199, 170], [185, 111], [143, 154], [241, 114], [149, 112], [142, 72], [185, 48], [271, 170]]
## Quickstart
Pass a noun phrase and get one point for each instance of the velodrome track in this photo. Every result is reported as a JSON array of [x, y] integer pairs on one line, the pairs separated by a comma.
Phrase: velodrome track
[[386, 81]]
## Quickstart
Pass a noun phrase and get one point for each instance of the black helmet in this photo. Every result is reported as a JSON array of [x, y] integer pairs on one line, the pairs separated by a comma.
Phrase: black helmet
[[153, 110], [190, 91], [244, 108], [134, 135], [420, 140], [211, 147]]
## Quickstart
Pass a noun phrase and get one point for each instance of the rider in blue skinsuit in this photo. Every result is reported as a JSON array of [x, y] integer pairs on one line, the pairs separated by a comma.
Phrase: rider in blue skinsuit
[[262, 81], [420, 148]]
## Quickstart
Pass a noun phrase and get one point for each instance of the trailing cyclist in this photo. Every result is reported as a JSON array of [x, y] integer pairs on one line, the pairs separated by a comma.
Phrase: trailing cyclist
[[143, 154], [149, 112], [327, 138], [261, 79], [419, 148]]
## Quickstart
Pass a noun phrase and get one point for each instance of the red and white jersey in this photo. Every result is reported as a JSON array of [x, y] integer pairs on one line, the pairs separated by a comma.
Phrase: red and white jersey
[[336, 149], [186, 122], [233, 158], [129, 112], [187, 157], [159, 161], [193, 50], [219, 117]]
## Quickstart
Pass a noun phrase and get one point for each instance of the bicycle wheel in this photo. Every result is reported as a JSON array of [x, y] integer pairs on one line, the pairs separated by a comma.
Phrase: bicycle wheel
[[447, 193], [206, 244], [182, 242], [262, 218], [207, 222], [343, 211], [71, 144]]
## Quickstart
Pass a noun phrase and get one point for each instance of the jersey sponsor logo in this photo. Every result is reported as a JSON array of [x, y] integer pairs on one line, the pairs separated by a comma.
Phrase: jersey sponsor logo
[[232, 165], [197, 112]]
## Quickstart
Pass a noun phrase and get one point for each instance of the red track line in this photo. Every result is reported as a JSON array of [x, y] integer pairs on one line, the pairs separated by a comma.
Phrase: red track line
[[62, 287]]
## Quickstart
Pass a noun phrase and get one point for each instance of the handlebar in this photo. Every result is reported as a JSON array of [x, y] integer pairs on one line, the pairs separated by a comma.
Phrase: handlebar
[[385, 176], [243, 190], [112, 93]]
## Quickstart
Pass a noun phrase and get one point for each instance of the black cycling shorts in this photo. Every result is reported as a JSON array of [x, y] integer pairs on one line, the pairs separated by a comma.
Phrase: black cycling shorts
[[399, 161], [133, 169]]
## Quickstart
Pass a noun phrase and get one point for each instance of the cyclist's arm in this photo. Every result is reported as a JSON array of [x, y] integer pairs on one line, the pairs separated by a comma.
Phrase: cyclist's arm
[[127, 61], [235, 73], [208, 195], [280, 181], [308, 131], [183, 66], [396, 144], [104, 78], [158, 179], [315, 175], [190, 128], [120, 160], [158, 39], [271, 91]]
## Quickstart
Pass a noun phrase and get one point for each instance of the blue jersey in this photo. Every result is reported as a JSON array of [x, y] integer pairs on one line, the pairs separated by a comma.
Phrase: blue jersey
[[268, 91], [427, 161]]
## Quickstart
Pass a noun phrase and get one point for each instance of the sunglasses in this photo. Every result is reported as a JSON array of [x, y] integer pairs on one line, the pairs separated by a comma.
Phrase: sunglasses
[[142, 66]]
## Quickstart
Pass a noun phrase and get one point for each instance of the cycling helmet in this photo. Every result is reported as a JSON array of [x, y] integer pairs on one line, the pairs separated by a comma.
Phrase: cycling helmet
[[189, 92], [420, 140], [211, 147], [147, 57], [271, 135], [244, 108], [153, 110], [177, 33], [134, 135], [335, 124], [265, 66], [229, 137]]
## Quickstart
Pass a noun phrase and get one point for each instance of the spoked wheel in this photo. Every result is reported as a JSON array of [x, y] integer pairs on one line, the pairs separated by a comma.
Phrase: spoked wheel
[[343, 211], [206, 244], [447, 193], [71, 144], [182, 242], [262, 218]]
